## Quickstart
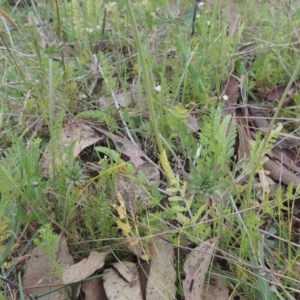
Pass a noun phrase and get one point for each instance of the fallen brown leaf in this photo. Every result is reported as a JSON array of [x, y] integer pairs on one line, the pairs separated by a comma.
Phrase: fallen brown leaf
[[258, 116], [94, 290], [196, 267], [280, 173], [216, 291], [144, 270], [162, 276], [84, 268], [243, 135], [230, 95], [122, 282], [135, 195], [39, 271], [276, 93], [286, 157]]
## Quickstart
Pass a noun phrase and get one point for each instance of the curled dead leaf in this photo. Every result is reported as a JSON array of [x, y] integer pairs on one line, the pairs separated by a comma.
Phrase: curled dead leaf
[[77, 131]]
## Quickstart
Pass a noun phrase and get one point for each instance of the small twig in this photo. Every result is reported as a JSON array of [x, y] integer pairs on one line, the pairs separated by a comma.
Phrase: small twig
[[15, 285], [16, 5], [37, 15], [18, 52], [103, 23]]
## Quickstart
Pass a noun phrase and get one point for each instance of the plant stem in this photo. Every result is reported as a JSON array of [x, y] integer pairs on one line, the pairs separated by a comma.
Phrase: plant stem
[[150, 104]]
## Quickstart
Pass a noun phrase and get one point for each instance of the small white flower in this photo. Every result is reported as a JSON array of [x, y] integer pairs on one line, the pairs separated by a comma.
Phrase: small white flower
[[158, 88], [112, 4], [225, 97], [83, 96], [198, 152], [98, 27], [89, 30], [208, 23]]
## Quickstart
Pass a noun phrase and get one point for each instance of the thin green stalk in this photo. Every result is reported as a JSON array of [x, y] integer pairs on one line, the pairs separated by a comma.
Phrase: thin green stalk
[[66, 203], [59, 36], [150, 104], [51, 117]]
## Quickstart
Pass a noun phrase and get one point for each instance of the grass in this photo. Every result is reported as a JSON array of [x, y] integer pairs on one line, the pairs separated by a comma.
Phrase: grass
[[147, 56]]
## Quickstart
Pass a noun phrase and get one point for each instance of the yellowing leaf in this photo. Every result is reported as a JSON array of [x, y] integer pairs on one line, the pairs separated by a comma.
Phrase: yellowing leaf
[[139, 248], [134, 244], [4, 230], [6, 265], [167, 168], [5, 15], [121, 209], [126, 229], [146, 257]]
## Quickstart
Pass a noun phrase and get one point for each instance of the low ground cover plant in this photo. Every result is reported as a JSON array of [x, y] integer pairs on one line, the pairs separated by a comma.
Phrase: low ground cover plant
[[157, 135]]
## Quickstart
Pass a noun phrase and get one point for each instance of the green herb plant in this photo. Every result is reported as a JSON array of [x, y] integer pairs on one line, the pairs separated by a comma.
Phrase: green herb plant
[[63, 67]]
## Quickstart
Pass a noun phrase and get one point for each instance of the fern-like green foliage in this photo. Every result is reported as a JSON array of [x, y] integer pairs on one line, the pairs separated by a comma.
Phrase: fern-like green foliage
[[217, 141], [20, 175], [217, 138], [19, 167], [174, 125], [49, 242], [76, 17], [91, 13], [259, 149], [112, 154], [91, 114], [178, 112], [263, 147]]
